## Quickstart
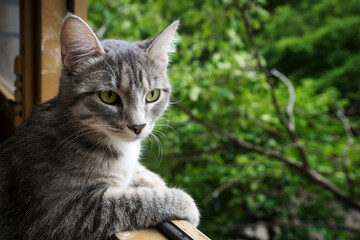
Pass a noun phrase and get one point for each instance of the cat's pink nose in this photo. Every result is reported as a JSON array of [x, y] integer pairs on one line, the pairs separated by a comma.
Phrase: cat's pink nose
[[137, 128]]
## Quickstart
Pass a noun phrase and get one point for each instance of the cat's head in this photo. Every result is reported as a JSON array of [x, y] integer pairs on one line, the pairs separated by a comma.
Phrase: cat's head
[[114, 87]]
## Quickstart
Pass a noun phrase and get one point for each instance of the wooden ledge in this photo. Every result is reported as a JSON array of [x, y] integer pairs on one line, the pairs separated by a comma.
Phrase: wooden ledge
[[174, 230], [143, 234]]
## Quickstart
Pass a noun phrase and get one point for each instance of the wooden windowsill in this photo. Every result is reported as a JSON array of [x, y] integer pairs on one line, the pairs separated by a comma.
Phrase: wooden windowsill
[[143, 234], [175, 230]]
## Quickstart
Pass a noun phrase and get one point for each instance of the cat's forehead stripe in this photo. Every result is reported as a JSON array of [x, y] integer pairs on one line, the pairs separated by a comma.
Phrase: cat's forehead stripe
[[134, 73], [132, 70], [119, 65], [135, 66]]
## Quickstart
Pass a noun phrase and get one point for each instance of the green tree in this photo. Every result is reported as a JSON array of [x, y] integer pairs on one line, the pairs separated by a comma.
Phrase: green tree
[[323, 33]]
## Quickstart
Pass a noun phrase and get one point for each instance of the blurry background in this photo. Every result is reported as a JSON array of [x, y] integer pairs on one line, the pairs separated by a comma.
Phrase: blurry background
[[264, 127]]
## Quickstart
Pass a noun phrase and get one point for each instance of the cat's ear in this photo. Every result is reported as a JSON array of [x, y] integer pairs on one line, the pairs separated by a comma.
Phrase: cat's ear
[[163, 44], [79, 44]]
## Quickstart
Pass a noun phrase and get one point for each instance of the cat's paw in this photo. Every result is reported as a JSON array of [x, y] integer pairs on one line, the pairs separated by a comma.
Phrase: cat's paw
[[187, 209]]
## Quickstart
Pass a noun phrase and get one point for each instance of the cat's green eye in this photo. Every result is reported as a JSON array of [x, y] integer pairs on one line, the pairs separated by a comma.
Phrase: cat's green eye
[[152, 96], [108, 97]]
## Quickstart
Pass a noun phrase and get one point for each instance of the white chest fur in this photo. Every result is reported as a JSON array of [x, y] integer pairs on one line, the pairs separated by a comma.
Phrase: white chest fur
[[123, 168]]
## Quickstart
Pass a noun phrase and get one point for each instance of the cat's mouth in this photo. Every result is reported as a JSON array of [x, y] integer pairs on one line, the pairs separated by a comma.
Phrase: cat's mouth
[[128, 134]]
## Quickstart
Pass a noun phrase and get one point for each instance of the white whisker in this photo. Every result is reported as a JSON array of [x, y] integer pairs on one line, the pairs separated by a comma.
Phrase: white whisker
[[160, 148], [176, 102]]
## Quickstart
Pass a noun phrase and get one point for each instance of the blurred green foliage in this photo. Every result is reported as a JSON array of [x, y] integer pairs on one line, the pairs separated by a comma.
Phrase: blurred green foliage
[[316, 39], [214, 75]]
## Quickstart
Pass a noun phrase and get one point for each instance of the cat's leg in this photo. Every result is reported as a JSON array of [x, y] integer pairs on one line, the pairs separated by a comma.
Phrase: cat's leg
[[143, 177], [98, 214], [136, 208]]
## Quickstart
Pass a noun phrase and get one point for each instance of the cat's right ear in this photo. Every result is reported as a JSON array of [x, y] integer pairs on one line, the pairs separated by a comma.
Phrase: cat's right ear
[[163, 44], [79, 44]]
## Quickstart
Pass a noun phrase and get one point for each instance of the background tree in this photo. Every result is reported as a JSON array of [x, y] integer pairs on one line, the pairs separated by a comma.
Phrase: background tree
[[316, 39], [254, 147]]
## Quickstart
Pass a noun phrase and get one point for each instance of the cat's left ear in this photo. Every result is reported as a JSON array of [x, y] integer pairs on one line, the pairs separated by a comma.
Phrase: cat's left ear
[[163, 44], [79, 44]]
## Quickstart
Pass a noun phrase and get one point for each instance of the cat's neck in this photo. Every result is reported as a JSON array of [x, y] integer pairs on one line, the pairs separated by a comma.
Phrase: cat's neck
[[127, 150], [124, 166]]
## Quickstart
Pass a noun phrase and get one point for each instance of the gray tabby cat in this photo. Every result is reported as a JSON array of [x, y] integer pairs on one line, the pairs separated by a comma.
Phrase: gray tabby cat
[[72, 170]]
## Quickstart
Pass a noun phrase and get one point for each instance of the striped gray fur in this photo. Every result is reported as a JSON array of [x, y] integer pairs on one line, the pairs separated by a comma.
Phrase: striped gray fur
[[72, 170]]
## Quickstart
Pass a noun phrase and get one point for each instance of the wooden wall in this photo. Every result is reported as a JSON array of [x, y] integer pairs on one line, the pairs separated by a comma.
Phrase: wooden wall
[[38, 64]]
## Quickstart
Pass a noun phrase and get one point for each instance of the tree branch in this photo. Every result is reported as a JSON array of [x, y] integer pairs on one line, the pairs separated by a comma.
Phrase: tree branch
[[227, 184], [289, 126], [350, 141], [312, 175], [291, 102]]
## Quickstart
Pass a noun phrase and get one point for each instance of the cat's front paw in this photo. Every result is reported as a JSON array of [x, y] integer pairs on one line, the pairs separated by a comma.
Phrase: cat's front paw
[[187, 209]]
